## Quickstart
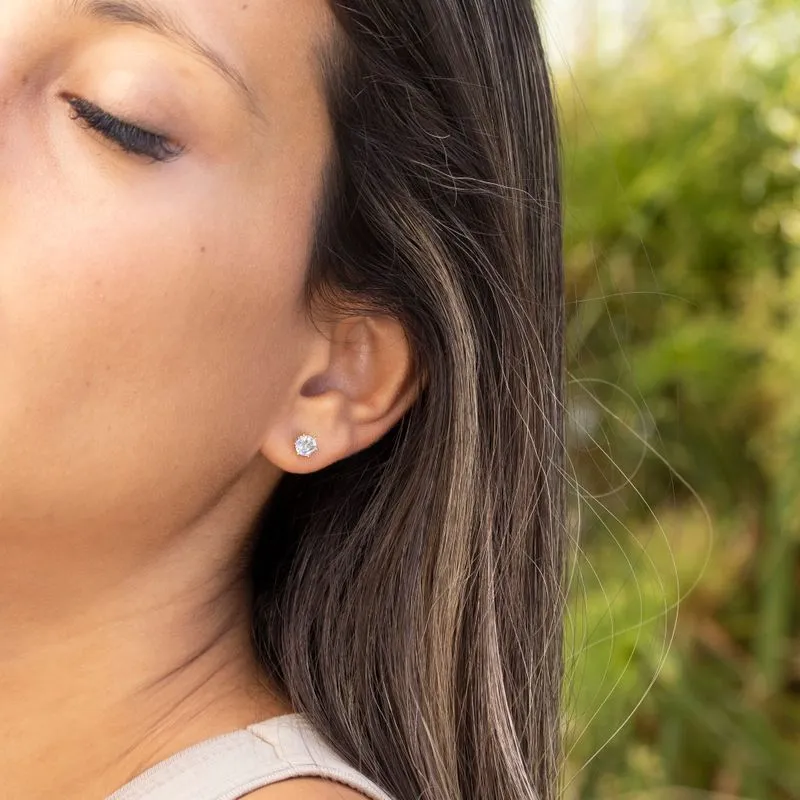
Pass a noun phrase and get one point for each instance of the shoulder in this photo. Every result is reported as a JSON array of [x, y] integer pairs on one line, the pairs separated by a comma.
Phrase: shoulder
[[306, 789]]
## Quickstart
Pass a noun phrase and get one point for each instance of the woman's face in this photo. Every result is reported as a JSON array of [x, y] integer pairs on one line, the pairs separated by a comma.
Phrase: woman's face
[[151, 316]]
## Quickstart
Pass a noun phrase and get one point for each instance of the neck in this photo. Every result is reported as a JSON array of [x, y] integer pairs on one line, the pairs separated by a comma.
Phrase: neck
[[96, 692]]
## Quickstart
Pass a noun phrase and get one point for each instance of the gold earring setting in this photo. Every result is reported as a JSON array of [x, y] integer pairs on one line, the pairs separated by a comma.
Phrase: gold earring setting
[[305, 446]]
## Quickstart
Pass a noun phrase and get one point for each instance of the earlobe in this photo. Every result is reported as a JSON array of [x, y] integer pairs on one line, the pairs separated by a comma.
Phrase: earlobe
[[311, 435], [348, 396]]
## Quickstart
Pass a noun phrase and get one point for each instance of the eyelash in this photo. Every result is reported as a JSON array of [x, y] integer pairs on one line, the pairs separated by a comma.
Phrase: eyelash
[[130, 138]]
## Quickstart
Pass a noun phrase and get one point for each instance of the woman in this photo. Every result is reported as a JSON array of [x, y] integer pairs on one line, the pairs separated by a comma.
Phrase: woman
[[281, 318]]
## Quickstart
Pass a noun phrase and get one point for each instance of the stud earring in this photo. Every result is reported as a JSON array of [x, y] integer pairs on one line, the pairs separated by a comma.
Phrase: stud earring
[[305, 445]]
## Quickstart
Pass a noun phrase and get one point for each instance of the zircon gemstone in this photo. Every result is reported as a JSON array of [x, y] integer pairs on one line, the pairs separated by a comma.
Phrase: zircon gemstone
[[306, 446]]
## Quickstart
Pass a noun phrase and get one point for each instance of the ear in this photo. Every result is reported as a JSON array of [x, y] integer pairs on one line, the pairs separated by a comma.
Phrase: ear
[[355, 385]]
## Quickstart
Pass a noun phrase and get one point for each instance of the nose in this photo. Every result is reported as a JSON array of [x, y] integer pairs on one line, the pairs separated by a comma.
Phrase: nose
[[24, 26], [12, 75], [22, 41], [22, 38]]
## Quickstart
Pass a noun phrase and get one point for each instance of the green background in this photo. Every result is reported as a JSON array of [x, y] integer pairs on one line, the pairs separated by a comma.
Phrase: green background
[[682, 178]]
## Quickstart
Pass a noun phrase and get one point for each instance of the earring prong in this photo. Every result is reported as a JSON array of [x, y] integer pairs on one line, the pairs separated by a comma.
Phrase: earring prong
[[306, 445]]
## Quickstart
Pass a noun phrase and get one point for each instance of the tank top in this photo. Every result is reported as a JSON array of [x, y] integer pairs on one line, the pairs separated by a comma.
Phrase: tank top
[[230, 766]]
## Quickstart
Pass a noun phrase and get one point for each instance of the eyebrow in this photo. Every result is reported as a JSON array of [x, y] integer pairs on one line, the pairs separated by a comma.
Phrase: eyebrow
[[142, 14]]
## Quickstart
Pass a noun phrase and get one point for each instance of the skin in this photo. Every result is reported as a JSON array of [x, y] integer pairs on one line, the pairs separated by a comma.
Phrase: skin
[[157, 365]]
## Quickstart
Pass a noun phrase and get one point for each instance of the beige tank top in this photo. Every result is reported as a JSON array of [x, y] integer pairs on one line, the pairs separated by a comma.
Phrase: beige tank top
[[230, 766]]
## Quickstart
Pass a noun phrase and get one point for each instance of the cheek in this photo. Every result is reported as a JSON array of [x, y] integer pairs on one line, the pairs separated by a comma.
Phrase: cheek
[[145, 344]]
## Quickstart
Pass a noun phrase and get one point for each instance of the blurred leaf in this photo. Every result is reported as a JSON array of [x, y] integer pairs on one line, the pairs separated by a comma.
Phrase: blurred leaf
[[682, 183]]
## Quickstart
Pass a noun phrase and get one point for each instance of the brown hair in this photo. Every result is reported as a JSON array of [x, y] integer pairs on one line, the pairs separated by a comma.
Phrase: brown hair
[[409, 598]]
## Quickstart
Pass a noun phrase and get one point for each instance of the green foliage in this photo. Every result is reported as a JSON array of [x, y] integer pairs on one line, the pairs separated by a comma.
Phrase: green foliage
[[682, 171]]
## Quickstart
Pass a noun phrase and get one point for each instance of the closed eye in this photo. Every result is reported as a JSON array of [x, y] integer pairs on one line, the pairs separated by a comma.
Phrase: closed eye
[[131, 138]]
